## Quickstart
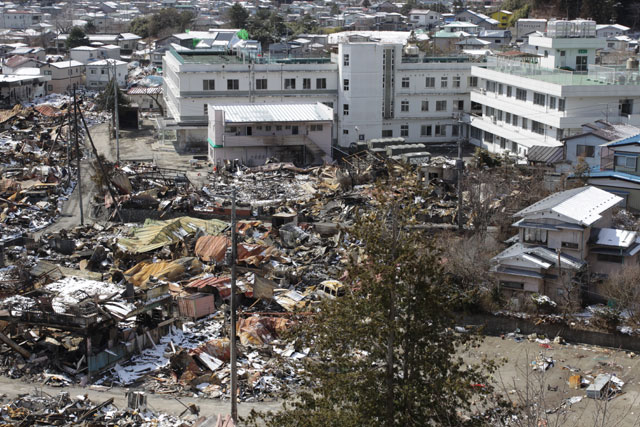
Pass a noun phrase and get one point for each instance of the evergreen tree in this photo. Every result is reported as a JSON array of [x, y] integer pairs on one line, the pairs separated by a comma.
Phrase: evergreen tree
[[386, 352], [77, 37], [238, 16]]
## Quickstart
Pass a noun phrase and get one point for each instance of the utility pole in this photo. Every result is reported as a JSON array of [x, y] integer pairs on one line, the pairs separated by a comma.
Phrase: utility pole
[[460, 167], [78, 154], [232, 338], [115, 103]]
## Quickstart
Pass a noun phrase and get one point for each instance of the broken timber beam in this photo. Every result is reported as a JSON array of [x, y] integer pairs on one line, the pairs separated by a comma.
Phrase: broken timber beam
[[11, 343]]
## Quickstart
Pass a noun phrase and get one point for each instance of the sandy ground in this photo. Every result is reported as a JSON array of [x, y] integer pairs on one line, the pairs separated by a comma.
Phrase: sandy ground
[[570, 359]]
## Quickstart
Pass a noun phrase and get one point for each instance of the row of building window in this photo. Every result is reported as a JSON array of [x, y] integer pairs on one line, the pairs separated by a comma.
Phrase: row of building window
[[261, 84], [277, 128], [425, 130], [490, 138], [424, 106], [541, 99], [430, 82], [515, 120]]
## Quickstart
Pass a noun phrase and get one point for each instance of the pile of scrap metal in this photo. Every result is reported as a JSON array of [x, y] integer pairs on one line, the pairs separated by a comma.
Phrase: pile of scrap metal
[[146, 186], [61, 410], [71, 329], [35, 176]]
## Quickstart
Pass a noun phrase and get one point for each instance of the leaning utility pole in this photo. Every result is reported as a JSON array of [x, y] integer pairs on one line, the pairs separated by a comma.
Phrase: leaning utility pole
[[232, 338], [115, 103], [78, 154], [460, 167]]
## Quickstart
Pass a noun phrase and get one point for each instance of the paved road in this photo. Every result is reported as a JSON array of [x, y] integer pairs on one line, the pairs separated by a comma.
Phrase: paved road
[[208, 407]]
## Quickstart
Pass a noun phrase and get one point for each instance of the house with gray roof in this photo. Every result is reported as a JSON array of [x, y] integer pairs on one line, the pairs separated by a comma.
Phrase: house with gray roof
[[565, 247]]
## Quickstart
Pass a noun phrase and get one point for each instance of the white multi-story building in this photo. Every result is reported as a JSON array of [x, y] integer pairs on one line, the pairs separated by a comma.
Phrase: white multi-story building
[[375, 89], [20, 19], [529, 101], [383, 93], [193, 80]]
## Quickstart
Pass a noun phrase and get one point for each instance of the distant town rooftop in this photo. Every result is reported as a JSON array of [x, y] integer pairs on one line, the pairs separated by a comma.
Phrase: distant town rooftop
[[209, 57], [597, 75]]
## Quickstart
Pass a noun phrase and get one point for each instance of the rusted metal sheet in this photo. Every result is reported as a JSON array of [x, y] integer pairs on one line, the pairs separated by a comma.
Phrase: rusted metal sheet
[[212, 248]]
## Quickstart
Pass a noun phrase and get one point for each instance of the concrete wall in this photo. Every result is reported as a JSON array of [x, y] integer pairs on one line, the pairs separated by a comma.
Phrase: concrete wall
[[493, 325]]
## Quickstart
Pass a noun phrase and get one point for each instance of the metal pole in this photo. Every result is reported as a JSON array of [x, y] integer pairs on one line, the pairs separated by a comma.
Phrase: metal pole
[[102, 169], [115, 103], [78, 154], [234, 369], [459, 167]]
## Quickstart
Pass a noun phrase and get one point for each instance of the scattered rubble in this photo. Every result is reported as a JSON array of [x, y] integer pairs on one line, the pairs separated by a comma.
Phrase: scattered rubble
[[43, 409]]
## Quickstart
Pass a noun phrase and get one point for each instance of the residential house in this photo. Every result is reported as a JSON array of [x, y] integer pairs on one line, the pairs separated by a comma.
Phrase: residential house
[[21, 88], [564, 242], [37, 53], [472, 43], [63, 75], [587, 144], [608, 31], [87, 54], [298, 133], [424, 18], [503, 17], [99, 73], [525, 26], [16, 62], [480, 19], [620, 170], [496, 38], [147, 98]]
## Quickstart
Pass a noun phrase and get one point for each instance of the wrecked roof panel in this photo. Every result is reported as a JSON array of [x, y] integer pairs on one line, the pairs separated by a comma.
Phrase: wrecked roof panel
[[156, 234]]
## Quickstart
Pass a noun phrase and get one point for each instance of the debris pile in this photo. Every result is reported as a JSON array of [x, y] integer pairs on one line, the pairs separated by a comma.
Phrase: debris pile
[[36, 179], [43, 409]]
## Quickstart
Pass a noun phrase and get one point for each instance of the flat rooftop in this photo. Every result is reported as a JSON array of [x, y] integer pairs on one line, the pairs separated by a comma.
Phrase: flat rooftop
[[596, 75], [221, 58]]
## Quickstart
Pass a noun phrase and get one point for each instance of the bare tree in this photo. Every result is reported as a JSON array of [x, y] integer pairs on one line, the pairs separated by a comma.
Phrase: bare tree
[[623, 287]]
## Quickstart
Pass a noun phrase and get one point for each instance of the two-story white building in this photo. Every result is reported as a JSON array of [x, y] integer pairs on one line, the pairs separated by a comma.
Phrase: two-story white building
[[253, 133], [424, 18], [63, 75], [87, 54], [525, 100], [99, 73]]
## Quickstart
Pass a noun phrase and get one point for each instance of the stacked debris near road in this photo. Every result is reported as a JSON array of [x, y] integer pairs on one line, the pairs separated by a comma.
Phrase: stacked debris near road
[[40, 408]]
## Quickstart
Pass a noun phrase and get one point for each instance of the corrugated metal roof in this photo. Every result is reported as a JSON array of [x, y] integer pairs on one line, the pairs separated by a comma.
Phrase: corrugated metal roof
[[547, 155], [48, 110], [155, 234], [274, 113], [139, 90], [582, 205], [615, 175], [613, 237], [538, 256]]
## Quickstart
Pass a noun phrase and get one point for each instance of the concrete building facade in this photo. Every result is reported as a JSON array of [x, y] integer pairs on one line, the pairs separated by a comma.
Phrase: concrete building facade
[[524, 101]]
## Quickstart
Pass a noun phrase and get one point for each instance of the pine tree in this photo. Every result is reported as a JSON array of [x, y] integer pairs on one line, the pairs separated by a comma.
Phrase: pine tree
[[387, 352]]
